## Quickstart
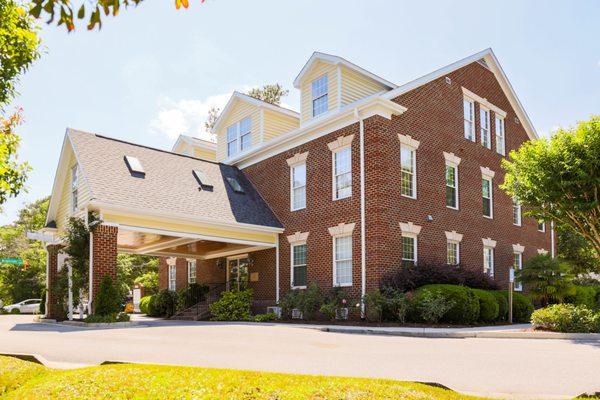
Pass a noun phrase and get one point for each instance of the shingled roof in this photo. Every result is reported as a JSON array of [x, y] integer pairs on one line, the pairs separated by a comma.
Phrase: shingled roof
[[169, 184]]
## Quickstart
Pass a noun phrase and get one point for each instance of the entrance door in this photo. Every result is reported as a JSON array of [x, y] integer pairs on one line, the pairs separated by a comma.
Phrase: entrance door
[[237, 274]]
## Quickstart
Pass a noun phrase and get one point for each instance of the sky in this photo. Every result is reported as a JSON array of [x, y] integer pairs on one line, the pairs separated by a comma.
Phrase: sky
[[153, 72]]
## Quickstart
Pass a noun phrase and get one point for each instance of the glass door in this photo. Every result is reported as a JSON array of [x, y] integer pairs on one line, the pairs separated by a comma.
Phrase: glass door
[[237, 274]]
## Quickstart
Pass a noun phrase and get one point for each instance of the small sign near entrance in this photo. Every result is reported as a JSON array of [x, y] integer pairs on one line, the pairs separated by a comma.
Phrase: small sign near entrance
[[11, 260]]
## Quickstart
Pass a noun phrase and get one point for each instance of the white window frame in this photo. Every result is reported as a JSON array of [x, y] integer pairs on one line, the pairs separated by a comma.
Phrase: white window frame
[[410, 230], [292, 265], [335, 174], [455, 187], [486, 134], [518, 221], [191, 266], [292, 187], [172, 271], [491, 198], [413, 237], [74, 188], [238, 136], [489, 245], [517, 265], [543, 225], [454, 239], [500, 134], [411, 145], [452, 161], [336, 261], [469, 135], [313, 98]]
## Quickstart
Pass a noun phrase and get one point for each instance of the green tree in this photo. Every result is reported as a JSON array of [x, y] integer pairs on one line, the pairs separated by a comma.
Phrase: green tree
[[574, 249], [92, 10], [150, 282], [548, 279], [269, 93], [559, 179], [132, 266]]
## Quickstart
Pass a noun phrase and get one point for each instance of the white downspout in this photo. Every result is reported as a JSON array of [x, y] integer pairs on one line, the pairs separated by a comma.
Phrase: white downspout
[[91, 272], [277, 270], [552, 246], [363, 253]]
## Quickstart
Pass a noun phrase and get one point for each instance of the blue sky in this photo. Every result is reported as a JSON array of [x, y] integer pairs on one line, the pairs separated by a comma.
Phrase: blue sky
[[153, 71]]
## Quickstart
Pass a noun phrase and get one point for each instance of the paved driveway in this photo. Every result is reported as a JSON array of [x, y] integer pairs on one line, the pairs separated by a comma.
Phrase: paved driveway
[[498, 367]]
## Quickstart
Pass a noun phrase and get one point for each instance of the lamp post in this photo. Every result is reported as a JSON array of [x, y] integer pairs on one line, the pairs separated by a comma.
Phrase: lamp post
[[511, 287]]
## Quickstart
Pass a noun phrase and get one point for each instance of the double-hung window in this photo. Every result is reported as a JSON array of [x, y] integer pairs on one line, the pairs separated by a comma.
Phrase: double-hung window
[[299, 265], [319, 95], [342, 250], [469, 118], [488, 260], [453, 252], [298, 189], [541, 226], [486, 190], [500, 138], [409, 249], [516, 212], [452, 186], [484, 122], [408, 179], [342, 173], [74, 185], [172, 277], [191, 268], [518, 264], [239, 136]]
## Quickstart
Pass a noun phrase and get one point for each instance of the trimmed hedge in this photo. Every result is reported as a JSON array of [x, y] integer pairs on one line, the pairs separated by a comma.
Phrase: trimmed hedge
[[566, 318], [488, 305], [584, 296], [522, 306], [465, 309], [502, 305]]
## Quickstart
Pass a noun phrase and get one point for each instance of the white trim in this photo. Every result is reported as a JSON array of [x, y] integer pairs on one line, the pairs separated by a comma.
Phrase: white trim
[[238, 256], [277, 271], [408, 142], [518, 286], [517, 248], [292, 246], [171, 261], [492, 265], [340, 143], [543, 224], [409, 228], [516, 205], [552, 244], [488, 135], [151, 248], [472, 135], [363, 240], [335, 60], [334, 240], [409, 145], [542, 251], [493, 65], [192, 262], [487, 173], [486, 176], [298, 158], [487, 242], [503, 137], [483, 102], [452, 164], [334, 188], [415, 247], [457, 243], [298, 238], [292, 196], [189, 140], [453, 236], [219, 254], [342, 229], [452, 159]]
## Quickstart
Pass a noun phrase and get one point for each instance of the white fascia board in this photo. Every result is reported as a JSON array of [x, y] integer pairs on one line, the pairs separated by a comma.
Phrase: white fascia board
[[494, 66], [104, 207], [251, 100], [367, 107], [194, 142], [336, 60]]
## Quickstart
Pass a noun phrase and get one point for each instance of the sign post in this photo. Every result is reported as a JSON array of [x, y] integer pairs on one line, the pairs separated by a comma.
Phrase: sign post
[[511, 287]]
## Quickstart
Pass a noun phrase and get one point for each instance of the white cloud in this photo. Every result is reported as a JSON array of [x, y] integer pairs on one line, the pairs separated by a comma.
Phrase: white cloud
[[186, 116]]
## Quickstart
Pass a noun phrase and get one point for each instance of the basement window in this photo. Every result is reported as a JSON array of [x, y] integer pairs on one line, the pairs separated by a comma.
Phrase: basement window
[[203, 180], [235, 185], [135, 167]]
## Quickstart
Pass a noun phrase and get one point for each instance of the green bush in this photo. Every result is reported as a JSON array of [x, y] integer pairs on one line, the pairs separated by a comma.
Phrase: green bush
[[268, 317], [522, 306], [192, 295], [489, 308], [164, 304], [374, 305], [396, 306], [107, 319], [108, 299], [312, 301], [432, 305], [43, 302], [144, 303], [292, 299], [153, 311], [233, 305], [329, 310], [566, 318], [502, 305], [465, 305], [583, 296]]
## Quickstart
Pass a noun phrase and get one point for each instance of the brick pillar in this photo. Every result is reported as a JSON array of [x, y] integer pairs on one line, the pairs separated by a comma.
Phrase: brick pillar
[[104, 256], [53, 309]]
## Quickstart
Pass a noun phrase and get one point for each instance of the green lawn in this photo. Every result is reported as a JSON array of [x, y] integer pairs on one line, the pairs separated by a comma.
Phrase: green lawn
[[25, 380]]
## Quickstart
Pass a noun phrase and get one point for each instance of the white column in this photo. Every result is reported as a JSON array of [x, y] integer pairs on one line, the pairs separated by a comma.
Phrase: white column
[[277, 269]]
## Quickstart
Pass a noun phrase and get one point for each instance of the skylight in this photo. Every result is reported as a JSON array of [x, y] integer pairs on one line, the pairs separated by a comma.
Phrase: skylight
[[235, 185], [203, 180], [135, 166]]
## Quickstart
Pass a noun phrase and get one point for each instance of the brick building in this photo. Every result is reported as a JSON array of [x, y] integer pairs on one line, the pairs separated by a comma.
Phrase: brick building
[[367, 176]]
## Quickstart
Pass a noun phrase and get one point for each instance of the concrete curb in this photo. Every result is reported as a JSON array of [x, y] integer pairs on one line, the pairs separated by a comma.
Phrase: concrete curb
[[85, 325], [35, 358], [466, 335]]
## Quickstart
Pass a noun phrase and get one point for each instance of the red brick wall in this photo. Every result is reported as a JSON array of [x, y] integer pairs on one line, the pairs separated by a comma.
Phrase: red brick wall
[[52, 307], [104, 247]]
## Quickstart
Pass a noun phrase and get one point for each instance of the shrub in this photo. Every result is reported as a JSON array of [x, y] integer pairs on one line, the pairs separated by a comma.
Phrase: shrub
[[108, 299], [153, 311], [107, 319], [312, 301], [566, 318], [329, 309], [164, 304], [144, 303], [396, 305], [268, 317], [374, 304], [336, 299], [502, 305], [234, 305], [465, 305], [583, 296], [488, 305], [433, 305], [548, 279], [522, 306], [411, 277], [192, 295], [43, 302], [292, 299]]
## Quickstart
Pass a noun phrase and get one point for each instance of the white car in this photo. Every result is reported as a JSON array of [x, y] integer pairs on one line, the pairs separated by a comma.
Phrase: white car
[[29, 306]]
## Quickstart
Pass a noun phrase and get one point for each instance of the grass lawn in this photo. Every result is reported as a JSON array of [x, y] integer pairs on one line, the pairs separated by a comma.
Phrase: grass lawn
[[25, 380]]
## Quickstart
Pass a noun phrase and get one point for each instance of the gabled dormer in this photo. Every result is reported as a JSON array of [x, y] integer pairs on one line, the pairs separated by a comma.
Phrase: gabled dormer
[[246, 122], [327, 83], [195, 147]]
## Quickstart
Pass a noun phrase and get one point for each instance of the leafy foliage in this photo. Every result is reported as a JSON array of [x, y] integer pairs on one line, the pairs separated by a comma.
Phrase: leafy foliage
[[107, 318], [488, 305], [432, 305], [522, 306], [566, 318], [12, 172], [548, 279], [502, 301], [164, 304], [144, 304], [192, 295], [576, 250], [559, 179], [270, 93], [233, 305], [108, 299], [465, 304], [584, 296], [268, 317], [374, 304], [132, 268]]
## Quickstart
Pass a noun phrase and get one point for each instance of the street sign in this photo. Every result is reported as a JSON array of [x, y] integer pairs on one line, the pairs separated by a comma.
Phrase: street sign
[[511, 274], [11, 260]]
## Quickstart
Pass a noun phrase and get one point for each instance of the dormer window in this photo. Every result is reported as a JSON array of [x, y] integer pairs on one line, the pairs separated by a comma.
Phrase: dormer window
[[239, 136], [319, 95]]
